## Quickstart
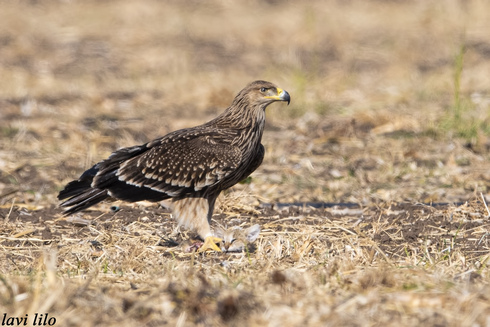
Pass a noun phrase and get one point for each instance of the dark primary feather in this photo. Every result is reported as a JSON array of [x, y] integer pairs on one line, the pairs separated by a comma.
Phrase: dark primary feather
[[192, 162]]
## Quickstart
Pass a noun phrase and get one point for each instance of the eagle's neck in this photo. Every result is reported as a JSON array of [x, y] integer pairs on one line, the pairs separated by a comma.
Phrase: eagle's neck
[[246, 122], [241, 115]]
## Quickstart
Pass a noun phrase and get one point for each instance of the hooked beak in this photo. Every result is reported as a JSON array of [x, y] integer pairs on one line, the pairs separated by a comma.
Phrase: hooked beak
[[282, 95]]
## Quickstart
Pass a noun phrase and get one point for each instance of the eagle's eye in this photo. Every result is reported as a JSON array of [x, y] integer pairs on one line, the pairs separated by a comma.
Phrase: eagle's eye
[[262, 89]]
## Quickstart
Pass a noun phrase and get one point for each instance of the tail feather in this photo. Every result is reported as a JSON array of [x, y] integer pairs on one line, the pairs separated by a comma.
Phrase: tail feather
[[84, 200], [80, 194], [80, 185], [95, 184], [72, 189]]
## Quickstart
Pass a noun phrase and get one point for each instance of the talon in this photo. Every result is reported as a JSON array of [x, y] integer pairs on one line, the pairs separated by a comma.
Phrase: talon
[[210, 244]]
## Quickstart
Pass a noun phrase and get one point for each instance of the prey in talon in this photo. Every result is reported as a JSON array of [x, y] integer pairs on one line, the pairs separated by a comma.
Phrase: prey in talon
[[238, 239]]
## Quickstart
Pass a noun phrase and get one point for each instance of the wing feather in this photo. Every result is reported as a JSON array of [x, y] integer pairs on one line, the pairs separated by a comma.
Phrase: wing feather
[[183, 163]]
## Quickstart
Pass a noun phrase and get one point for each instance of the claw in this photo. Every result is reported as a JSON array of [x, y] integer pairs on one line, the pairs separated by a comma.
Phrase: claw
[[210, 244]]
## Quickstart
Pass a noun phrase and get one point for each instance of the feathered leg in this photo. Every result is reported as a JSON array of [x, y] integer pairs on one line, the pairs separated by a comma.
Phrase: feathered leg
[[194, 214]]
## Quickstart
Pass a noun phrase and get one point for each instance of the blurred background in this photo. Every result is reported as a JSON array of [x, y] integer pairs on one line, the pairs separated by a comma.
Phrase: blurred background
[[390, 99]]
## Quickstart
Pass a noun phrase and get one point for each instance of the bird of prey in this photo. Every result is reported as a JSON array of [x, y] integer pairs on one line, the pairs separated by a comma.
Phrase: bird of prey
[[188, 167]]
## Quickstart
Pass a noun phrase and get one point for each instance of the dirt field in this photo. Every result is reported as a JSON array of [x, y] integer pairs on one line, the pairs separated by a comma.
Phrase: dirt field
[[371, 198]]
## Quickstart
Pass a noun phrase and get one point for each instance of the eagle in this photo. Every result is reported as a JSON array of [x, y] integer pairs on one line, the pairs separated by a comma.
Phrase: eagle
[[187, 168]]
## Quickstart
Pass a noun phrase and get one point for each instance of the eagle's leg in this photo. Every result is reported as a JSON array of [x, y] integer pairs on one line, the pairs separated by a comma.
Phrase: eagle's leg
[[194, 214], [210, 240]]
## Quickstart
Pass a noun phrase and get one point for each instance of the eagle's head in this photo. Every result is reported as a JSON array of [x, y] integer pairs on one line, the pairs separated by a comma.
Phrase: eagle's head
[[261, 93]]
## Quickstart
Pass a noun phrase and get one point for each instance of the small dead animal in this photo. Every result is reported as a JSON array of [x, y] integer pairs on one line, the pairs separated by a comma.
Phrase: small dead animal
[[237, 239]]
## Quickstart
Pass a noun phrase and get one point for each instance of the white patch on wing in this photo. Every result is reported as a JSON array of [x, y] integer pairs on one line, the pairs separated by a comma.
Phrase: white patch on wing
[[169, 193], [199, 185], [138, 184], [210, 179]]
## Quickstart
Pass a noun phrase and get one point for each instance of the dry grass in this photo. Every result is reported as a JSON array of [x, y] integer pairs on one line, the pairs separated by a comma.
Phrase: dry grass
[[390, 110]]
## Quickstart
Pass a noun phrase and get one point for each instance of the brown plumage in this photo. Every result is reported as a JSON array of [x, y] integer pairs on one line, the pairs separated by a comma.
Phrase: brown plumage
[[190, 166]]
